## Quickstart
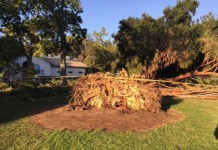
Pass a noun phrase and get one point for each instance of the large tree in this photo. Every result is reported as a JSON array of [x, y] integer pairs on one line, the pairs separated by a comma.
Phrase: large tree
[[59, 26], [17, 22], [171, 41], [138, 39], [206, 64], [181, 40]]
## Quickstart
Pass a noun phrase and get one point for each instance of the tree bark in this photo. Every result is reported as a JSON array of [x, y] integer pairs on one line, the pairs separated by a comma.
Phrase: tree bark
[[63, 64], [191, 74], [30, 66], [63, 68]]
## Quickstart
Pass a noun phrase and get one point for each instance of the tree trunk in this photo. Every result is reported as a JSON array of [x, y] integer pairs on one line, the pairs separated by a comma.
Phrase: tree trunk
[[30, 66], [63, 68], [209, 66], [191, 74]]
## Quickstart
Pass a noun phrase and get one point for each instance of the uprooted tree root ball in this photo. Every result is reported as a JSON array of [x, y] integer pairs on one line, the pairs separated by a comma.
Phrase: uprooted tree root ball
[[104, 90], [97, 93]]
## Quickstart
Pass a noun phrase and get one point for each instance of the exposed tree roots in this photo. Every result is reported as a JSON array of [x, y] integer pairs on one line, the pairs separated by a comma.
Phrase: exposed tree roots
[[98, 90]]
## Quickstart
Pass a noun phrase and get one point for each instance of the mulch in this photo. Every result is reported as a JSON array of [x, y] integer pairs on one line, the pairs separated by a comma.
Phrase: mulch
[[105, 119]]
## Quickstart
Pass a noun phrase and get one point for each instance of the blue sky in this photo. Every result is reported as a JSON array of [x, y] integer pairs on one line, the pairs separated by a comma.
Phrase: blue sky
[[108, 13]]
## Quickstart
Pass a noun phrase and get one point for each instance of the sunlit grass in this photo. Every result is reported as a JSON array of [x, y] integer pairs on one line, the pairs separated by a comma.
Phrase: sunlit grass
[[196, 131]]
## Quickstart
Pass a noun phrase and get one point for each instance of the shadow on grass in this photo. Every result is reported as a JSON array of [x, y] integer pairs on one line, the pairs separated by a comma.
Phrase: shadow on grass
[[216, 132], [15, 105], [168, 101]]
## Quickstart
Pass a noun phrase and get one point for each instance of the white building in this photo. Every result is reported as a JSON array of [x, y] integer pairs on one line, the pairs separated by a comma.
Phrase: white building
[[50, 66]]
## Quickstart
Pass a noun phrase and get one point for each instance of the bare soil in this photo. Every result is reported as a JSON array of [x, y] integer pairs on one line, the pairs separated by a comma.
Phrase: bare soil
[[105, 119]]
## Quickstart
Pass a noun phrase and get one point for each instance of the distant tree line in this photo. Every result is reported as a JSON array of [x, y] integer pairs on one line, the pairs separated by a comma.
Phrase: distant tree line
[[174, 45]]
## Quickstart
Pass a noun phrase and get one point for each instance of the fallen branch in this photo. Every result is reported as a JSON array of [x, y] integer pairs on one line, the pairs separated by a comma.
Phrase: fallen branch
[[192, 74]]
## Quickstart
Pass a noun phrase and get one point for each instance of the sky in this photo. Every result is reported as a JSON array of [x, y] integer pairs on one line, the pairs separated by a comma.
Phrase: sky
[[108, 13]]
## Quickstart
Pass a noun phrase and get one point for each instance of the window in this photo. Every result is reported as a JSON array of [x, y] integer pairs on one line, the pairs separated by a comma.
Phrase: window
[[37, 67], [59, 72], [80, 72], [70, 71], [42, 72]]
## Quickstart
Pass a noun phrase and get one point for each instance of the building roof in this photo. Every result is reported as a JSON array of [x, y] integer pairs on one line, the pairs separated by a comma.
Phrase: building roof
[[55, 62]]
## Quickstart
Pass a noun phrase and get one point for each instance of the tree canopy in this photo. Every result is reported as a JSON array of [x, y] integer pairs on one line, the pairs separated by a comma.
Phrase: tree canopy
[[43, 27], [100, 54], [10, 49], [167, 46], [59, 27], [17, 19]]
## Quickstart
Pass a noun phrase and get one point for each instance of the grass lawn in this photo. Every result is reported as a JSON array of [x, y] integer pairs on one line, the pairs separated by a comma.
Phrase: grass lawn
[[196, 131]]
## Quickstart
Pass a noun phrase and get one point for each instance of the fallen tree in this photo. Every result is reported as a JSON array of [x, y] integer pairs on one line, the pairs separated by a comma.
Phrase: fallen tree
[[192, 74], [208, 67], [190, 91], [164, 59]]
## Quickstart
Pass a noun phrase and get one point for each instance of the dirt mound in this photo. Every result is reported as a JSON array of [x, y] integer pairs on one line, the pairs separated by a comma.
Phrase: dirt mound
[[104, 90], [104, 119]]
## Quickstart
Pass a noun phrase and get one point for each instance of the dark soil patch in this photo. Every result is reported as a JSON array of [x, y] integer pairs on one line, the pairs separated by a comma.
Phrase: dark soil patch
[[104, 119]]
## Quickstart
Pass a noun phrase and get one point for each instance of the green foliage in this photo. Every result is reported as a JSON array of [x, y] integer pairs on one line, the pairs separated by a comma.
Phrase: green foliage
[[10, 49], [43, 27], [99, 36], [181, 14], [56, 20], [174, 32], [18, 23], [4, 86], [100, 57], [209, 28], [134, 66], [207, 80], [138, 37], [99, 53], [35, 88]]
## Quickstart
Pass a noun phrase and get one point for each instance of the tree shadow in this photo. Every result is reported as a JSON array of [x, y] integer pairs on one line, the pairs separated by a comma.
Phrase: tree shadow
[[168, 101], [216, 132], [14, 105]]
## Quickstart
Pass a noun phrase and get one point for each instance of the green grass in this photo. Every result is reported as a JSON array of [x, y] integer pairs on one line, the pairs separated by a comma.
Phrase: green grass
[[196, 131]]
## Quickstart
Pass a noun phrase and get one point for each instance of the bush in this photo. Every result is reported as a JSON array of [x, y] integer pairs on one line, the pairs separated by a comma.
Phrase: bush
[[30, 89], [4, 86], [207, 80]]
